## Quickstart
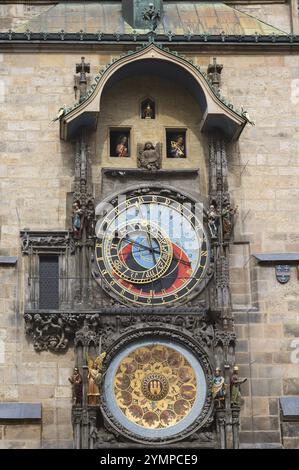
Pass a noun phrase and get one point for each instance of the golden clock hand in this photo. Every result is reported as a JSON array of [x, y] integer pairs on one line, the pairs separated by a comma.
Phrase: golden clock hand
[[130, 240], [186, 263]]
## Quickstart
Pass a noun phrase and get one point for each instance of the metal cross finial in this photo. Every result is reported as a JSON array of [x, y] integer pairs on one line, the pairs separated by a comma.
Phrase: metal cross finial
[[81, 82], [83, 69]]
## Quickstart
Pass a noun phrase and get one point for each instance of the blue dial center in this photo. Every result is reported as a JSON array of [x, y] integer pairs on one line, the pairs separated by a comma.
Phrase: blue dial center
[[144, 255]]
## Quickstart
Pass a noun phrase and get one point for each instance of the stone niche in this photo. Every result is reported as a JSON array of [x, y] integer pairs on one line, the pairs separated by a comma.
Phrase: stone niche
[[175, 108]]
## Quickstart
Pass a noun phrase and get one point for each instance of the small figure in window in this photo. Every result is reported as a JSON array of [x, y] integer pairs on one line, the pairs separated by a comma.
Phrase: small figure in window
[[122, 147], [177, 147], [148, 112]]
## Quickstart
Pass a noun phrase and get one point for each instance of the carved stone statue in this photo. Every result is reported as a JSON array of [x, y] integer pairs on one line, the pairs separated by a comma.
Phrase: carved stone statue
[[152, 16], [94, 379], [77, 220], [76, 381], [149, 157], [227, 214], [218, 389], [213, 219], [148, 112], [235, 387], [90, 219]]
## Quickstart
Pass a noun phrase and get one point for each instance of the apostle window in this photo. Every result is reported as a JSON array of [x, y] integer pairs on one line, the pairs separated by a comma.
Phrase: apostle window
[[148, 109], [176, 143], [120, 142]]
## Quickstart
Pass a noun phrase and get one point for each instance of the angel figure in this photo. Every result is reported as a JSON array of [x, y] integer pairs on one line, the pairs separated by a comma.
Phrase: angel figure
[[149, 157], [94, 378]]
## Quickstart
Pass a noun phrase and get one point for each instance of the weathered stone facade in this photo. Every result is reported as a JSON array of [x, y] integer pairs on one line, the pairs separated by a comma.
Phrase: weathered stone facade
[[37, 180]]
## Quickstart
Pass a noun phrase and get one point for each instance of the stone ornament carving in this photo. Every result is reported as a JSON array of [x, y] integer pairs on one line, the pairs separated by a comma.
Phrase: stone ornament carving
[[152, 16], [51, 332], [55, 332], [35, 241], [149, 156]]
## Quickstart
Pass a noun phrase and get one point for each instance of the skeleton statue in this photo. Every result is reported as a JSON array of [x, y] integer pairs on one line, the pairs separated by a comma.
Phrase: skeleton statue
[[149, 157]]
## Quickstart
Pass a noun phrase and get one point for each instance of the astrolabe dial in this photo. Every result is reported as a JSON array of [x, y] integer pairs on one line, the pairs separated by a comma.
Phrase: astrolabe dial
[[138, 252], [151, 249]]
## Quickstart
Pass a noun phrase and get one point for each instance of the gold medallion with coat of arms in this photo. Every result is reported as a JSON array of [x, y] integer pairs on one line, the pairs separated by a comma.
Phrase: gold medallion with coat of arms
[[155, 386]]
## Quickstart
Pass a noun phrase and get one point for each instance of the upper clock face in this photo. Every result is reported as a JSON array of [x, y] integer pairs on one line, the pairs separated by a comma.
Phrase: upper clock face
[[151, 250]]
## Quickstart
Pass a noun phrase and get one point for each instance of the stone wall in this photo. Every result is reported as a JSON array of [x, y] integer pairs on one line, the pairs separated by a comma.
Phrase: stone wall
[[13, 15]]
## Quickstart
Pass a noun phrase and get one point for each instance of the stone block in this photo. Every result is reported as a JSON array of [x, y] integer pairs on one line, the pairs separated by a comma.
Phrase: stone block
[[291, 386], [265, 423], [63, 392], [273, 406], [260, 437], [63, 374], [290, 429], [20, 444], [64, 415], [48, 376], [266, 387], [260, 406], [22, 432], [242, 345], [54, 444], [48, 416]]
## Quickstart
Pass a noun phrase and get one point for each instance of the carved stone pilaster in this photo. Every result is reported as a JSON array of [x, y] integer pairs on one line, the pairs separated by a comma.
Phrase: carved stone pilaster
[[92, 413], [86, 336], [221, 427], [76, 420], [218, 170], [34, 241], [235, 425]]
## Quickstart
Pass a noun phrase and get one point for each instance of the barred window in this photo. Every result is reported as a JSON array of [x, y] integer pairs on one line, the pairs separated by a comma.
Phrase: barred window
[[48, 282]]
